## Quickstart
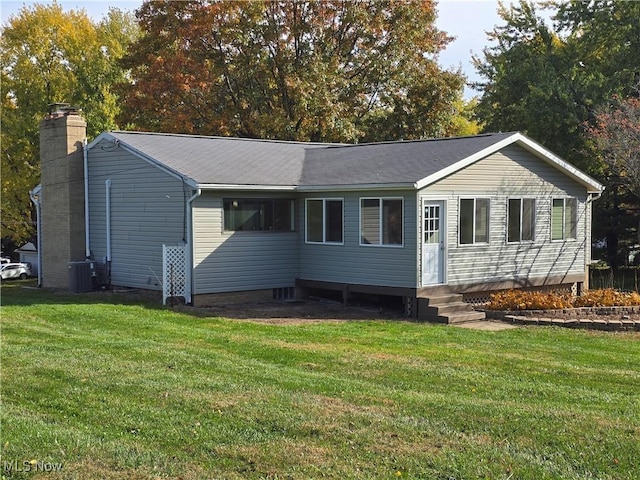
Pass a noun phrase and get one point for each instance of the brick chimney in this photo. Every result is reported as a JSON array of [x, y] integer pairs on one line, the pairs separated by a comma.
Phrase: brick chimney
[[62, 133]]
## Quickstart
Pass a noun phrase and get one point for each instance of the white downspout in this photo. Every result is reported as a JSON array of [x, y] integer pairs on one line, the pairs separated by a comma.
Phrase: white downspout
[[87, 249], [190, 250], [107, 184], [35, 198], [588, 232]]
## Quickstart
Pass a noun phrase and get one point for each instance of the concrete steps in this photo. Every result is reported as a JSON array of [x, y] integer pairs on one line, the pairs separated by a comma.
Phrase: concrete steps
[[447, 309]]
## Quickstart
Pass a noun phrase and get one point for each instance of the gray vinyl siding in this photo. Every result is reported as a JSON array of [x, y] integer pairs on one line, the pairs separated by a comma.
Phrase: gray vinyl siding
[[511, 173], [237, 261], [147, 211], [362, 264]]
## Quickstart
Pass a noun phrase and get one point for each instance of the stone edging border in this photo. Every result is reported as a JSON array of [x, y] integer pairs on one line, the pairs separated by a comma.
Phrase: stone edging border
[[622, 322]]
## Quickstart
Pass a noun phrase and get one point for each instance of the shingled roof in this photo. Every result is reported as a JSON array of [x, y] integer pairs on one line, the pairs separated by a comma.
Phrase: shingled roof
[[221, 160], [390, 163], [210, 162]]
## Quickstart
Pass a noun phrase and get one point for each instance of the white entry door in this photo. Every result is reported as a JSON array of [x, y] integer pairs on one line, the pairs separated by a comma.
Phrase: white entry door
[[432, 242]]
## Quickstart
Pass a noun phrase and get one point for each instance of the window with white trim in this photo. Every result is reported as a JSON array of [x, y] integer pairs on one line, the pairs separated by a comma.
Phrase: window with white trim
[[521, 220], [473, 221], [324, 220], [258, 215], [564, 218], [381, 221]]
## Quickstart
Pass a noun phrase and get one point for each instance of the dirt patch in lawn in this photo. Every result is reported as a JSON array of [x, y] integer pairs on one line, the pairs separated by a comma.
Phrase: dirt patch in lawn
[[298, 312]]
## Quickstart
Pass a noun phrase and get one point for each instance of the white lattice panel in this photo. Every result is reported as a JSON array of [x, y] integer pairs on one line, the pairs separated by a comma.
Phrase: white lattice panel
[[175, 278]]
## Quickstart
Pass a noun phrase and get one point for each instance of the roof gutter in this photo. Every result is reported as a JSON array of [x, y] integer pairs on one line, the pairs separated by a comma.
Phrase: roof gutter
[[352, 187], [593, 196], [250, 188]]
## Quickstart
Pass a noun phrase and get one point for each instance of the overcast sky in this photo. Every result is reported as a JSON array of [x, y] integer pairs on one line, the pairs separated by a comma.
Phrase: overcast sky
[[467, 20]]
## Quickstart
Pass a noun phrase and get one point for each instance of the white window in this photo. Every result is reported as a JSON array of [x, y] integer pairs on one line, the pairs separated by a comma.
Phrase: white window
[[258, 215], [324, 220], [381, 221], [564, 219], [521, 220], [473, 220]]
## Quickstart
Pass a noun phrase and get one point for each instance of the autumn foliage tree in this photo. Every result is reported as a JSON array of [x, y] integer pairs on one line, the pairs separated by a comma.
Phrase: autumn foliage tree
[[48, 56], [310, 71], [615, 139], [616, 136]]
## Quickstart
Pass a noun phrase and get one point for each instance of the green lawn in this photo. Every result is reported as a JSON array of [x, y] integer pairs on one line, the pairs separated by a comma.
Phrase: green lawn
[[115, 390]]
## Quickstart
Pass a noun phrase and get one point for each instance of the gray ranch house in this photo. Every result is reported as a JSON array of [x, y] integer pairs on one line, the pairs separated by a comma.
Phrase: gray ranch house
[[417, 219]]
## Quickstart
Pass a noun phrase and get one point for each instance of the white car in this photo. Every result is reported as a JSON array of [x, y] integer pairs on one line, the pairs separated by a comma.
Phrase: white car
[[14, 270]]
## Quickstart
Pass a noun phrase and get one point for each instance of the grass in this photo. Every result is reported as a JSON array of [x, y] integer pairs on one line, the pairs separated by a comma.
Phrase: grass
[[118, 390]]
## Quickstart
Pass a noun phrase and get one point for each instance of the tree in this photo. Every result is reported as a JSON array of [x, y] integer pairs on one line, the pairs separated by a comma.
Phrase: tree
[[51, 56], [319, 71], [548, 80], [606, 39], [533, 83], [615, 135]]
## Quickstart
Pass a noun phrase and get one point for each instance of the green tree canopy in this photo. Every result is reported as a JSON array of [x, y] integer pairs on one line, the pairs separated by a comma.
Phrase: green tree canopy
[[49, 56], [320, 71], [547, 80]]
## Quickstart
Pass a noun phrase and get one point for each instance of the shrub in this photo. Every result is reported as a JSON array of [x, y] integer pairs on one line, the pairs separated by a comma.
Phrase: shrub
[[523, 300], [606, 298]]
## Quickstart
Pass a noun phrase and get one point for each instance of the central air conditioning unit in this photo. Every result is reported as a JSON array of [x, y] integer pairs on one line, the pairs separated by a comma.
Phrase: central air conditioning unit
[[80, 276]]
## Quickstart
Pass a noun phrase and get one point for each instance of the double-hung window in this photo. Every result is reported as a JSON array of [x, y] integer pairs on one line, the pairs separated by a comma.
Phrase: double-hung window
[[258, 215], [381, 221], [521, 219], [473, 220], [564, 219], [324, 220]]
